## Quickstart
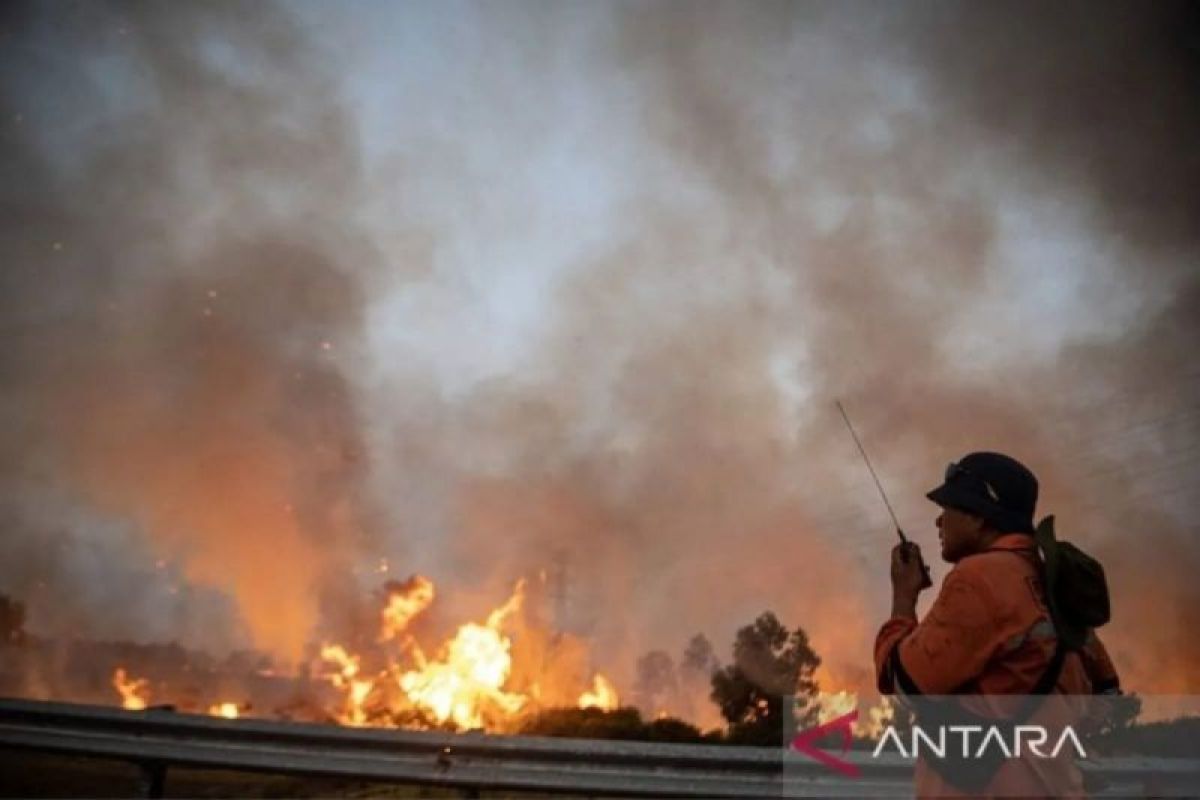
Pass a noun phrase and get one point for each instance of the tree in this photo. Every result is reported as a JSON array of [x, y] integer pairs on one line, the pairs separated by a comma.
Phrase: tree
[[697, 664], [699, 658], [771, 668]]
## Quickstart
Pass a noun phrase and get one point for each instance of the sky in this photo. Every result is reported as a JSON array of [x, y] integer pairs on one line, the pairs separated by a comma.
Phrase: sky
[[293, 287]]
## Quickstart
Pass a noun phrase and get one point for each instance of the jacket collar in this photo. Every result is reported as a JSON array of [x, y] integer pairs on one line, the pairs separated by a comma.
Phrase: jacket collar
[[1013, 541]]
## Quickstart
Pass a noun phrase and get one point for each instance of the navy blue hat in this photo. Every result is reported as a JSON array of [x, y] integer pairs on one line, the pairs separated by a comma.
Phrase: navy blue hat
[[994, 486]]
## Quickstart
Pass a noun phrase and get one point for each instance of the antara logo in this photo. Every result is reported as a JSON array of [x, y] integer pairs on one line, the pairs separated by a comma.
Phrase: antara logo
[[1034, 737], [1024, 738], [805, 742]]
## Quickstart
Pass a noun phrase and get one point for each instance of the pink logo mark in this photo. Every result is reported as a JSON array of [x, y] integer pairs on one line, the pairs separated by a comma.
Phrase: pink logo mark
[[805, 742]]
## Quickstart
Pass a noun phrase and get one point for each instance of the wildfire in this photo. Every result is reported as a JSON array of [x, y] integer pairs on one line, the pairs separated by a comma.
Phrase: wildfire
[[226, 710], [135, 692], [470, 681], [405, 601], [831, 705], [879, 717], [346, 678], [465, 683], [602, 695]]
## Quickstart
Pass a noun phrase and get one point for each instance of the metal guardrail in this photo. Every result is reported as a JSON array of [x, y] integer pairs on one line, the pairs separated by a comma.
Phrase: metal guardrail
[[474, 762]]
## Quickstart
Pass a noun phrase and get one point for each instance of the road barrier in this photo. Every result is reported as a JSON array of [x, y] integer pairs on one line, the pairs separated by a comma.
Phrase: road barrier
[[477, 762]]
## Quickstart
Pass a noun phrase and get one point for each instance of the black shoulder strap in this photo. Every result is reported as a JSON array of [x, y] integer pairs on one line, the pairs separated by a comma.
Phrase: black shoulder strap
[[899, 673], [1049, 679]]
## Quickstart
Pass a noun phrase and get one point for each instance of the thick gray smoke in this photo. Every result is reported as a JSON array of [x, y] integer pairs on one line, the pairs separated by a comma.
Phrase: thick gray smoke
[[180, 301], [973, 224]]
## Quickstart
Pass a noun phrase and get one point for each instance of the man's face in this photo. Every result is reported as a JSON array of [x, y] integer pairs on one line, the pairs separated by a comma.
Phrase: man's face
[[961, 534]]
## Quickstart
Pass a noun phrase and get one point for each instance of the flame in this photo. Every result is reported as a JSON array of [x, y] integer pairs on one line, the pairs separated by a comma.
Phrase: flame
[[405, 601], [473, 680], [468, 684], [830, 705], [602, 695], [346, 678], [227, 710], [879, 717], [135, 692], [465, 684]]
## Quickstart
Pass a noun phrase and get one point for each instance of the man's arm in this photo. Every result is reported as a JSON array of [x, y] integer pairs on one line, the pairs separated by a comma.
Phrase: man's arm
[[946, 649]]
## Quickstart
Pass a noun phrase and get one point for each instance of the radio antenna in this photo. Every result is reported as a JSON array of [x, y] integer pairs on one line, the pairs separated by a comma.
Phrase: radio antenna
[[874, 477]]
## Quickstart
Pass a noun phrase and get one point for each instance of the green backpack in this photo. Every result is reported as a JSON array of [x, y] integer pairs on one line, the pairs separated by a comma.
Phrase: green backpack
[[1076, 590]]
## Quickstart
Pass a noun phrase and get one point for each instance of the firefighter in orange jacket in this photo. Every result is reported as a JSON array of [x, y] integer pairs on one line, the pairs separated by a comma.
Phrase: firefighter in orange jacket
[[989, 632]]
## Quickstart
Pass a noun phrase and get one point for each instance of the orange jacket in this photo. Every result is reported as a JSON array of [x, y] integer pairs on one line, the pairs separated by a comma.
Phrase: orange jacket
[[989, 633]]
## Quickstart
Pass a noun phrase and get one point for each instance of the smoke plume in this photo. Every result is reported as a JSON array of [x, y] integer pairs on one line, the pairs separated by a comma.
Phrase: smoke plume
[[580, 285], [181, 302]]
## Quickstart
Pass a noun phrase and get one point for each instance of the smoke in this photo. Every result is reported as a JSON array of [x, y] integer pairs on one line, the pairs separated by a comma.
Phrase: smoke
[[1099, 102], [181, 301], [581, 284], [910, 211]]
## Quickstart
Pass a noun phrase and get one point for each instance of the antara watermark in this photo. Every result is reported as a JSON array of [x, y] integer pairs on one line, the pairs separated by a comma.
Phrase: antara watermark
[[1033, 737]]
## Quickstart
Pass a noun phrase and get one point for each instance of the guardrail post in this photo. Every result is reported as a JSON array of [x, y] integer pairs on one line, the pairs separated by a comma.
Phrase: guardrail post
[[152, 779]]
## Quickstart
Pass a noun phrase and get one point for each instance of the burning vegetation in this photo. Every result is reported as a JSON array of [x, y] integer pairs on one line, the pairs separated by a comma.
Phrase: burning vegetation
[[507, 672], [134, 691], [476, 679]]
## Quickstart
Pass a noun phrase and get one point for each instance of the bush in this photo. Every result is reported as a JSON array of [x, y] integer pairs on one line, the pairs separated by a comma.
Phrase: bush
[[623, 723]]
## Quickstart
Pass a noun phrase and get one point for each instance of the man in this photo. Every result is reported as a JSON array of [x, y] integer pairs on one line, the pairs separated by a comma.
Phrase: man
[[989, 632]]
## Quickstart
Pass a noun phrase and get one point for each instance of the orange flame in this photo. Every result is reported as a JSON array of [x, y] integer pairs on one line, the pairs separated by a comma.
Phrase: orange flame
[[602, 695], [468, 684], [831, 705], [227, 710], [405, 601], [346, 678], [465, 684], [135, 692]]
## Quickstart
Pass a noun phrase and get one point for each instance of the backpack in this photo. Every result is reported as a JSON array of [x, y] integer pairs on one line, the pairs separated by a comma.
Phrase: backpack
[[1076, 589]]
